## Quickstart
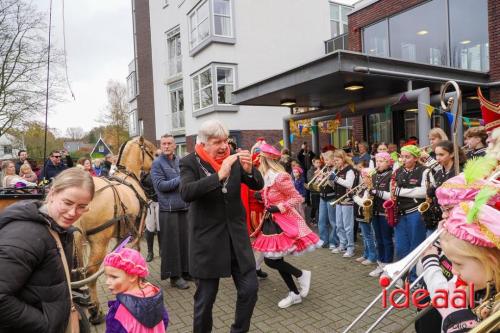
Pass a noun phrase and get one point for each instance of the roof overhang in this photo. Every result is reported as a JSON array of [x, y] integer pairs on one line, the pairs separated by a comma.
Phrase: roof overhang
[[321, 82]]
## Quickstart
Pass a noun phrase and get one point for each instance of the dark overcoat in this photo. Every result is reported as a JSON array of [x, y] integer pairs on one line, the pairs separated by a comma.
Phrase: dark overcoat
[[217, 221]]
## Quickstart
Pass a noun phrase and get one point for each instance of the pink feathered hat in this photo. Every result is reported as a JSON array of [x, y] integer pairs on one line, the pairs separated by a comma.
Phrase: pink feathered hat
[[455, 190], [483, 231], [128, 260], [270, 152]]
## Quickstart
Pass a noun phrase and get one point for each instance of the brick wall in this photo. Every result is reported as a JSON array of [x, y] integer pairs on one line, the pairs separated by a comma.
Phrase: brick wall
[[372, 14], [494, 42], [145, 99]]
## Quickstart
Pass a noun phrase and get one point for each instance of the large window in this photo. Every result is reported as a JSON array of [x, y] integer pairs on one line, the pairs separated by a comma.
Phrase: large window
[[380, 127], [469, 34], [174, 52], [131, 86], [133, 123], [376, 39], [338, 18], [439, 32], [213, 85], [420, 34], [222, 18], [343, 133], [211, 20], [176, 105], [199, 24]]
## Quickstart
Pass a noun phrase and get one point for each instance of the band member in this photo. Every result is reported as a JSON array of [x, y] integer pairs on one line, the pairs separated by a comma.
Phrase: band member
[[314, 196], [472, 243], [343, 180], [362, 215], [410, 192], [285, 231], [165, 175], [428, 158], [381, 191], [326, 211], [219, 244], [475, 139]]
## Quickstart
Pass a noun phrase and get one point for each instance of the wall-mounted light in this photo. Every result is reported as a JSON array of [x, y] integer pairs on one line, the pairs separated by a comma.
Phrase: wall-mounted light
[[288, 102], [412, 110], [474, 98], [353, 86], [465, 42], [422, 32]]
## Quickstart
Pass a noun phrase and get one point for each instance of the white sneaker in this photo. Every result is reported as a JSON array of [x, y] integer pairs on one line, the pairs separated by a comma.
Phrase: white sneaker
[[367, 262], [331, 247], [291, 299], [361, 259], [376, 272], [338, 250], [304, 283], [348, 254]]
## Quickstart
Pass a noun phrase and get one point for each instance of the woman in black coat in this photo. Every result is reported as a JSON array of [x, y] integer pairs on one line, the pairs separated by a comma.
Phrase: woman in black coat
[[34, 293], [218, 238]]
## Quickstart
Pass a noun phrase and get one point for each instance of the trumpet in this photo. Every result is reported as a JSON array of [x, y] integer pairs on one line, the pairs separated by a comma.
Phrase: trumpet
[[311, 185], [360, 187]]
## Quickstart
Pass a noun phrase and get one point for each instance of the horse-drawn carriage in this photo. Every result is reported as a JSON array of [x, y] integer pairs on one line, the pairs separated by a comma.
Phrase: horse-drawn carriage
[[118, 209]]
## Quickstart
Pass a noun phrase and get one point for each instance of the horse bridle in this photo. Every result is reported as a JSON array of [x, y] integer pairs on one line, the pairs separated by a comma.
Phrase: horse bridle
[[144, 152]]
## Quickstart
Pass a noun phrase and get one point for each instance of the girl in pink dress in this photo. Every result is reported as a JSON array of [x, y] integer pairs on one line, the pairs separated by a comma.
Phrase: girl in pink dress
[[283, 230]]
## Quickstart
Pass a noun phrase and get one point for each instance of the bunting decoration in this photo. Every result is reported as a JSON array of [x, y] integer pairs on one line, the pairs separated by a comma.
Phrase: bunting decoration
[[351, 107], [402, 99], [329, 126], [282, 143], [314, 129], [429, 110], [467, 121], [292, 137], [300, 127], [450, 117]]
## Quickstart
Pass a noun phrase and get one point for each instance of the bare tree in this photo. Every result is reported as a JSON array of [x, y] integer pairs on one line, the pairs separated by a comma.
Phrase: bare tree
[[23, 63], [115, 115], [75, 133]]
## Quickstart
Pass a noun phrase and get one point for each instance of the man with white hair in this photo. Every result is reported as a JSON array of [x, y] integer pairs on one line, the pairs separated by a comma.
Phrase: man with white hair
[[218, 239]]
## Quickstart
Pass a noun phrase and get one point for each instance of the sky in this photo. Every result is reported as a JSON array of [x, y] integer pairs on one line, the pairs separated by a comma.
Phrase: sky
[[99, 47]]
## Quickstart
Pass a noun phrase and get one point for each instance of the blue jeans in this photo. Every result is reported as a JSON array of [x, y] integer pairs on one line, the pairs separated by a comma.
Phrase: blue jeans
[[327, 221], [383, 235], [368, 241], [344, 215], [409, 233]]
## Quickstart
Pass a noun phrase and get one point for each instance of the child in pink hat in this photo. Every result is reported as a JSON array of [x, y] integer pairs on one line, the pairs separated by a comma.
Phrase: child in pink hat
[[139, 304]]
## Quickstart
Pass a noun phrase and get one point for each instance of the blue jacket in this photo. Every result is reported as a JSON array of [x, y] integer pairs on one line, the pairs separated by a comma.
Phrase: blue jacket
[[299, 185], [166, 178]]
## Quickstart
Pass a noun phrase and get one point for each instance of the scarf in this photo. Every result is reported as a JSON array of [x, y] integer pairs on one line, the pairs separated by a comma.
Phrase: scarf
[[214, 163]]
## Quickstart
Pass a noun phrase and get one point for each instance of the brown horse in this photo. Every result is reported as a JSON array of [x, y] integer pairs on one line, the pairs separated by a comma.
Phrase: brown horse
[[119, 207]]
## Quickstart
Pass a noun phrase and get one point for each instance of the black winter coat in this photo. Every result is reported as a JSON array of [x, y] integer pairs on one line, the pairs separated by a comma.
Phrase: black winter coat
[[34, 295], [217, 221]]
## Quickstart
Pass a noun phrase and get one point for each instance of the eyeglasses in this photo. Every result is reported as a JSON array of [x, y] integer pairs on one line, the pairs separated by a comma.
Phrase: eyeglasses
[[57, 156]]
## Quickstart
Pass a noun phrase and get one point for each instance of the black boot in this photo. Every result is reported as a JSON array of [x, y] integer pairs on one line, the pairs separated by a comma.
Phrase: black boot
[[261, 274], [150, 236]]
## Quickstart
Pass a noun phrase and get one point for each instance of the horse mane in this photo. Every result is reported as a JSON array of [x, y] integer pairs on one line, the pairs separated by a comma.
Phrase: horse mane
[[120, 151]]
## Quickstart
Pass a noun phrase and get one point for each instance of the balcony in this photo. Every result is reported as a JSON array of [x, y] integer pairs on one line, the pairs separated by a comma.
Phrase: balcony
[[175, 122], [340, 42]]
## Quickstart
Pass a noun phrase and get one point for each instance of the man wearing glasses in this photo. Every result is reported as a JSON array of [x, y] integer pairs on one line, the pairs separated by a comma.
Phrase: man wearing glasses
[[54, 165]]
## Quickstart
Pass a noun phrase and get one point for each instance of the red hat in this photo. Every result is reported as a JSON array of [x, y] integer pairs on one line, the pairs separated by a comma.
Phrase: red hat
[[269, 151], [490, 111]]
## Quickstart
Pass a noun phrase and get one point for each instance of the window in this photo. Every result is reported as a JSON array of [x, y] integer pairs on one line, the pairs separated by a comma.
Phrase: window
[[181, 150], [7, 149], [420, 34], [132, 123], [131, 86], [222, 18], [225, 84], [344, 132], [338, 19], [411, 123], [141, 127], [469, 34], [199, 24], [376, 39], [380, 127], [213, 86], [210, 21], [174, 52], [177, 105]]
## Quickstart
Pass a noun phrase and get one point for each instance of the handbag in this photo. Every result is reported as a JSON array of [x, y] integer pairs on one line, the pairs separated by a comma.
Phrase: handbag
[[74, 316]]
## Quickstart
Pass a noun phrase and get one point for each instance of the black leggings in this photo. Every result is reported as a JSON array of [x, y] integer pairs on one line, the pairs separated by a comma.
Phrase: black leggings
[[286, 271]]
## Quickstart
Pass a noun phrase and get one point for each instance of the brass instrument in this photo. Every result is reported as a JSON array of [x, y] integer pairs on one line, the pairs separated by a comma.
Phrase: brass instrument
[[368, 209], [424, 206], [327, 175], [360, 187], [312, 184]]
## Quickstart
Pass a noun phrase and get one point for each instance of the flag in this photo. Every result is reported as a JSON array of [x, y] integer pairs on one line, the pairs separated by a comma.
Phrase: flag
[[282, 143], [429, 110], [402, 99], [301, 127], [481, 122], [337, 117], [467, 121], [314, 129], [387, 111], [449, 116], [291, 138], [351, 107]]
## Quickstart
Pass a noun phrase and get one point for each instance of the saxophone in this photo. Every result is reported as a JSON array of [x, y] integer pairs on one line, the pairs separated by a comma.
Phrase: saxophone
[[368, 203], [390, 205]]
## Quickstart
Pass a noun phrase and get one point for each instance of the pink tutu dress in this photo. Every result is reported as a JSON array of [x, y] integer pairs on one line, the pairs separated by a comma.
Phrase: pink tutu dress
[[289, 233]]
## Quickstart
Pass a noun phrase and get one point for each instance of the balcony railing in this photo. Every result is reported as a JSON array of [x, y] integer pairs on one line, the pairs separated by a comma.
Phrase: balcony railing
[[340, 42]]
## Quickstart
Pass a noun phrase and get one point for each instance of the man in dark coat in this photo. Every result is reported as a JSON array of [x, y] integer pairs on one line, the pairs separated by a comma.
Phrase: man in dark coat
[[55, 165], [219, 243], [173, 215]]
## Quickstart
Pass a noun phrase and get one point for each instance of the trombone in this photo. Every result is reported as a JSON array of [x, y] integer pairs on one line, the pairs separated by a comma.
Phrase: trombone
[[360, 187]]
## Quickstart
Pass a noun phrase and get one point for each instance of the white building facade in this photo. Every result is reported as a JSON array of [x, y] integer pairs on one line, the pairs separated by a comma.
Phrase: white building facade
[[202, 50]]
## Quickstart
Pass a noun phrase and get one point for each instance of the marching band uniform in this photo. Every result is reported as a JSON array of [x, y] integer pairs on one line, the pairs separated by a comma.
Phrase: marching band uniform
[[476, 153]]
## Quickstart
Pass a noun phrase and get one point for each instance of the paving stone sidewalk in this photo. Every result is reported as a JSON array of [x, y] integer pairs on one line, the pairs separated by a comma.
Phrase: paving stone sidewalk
[[340, 290]]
